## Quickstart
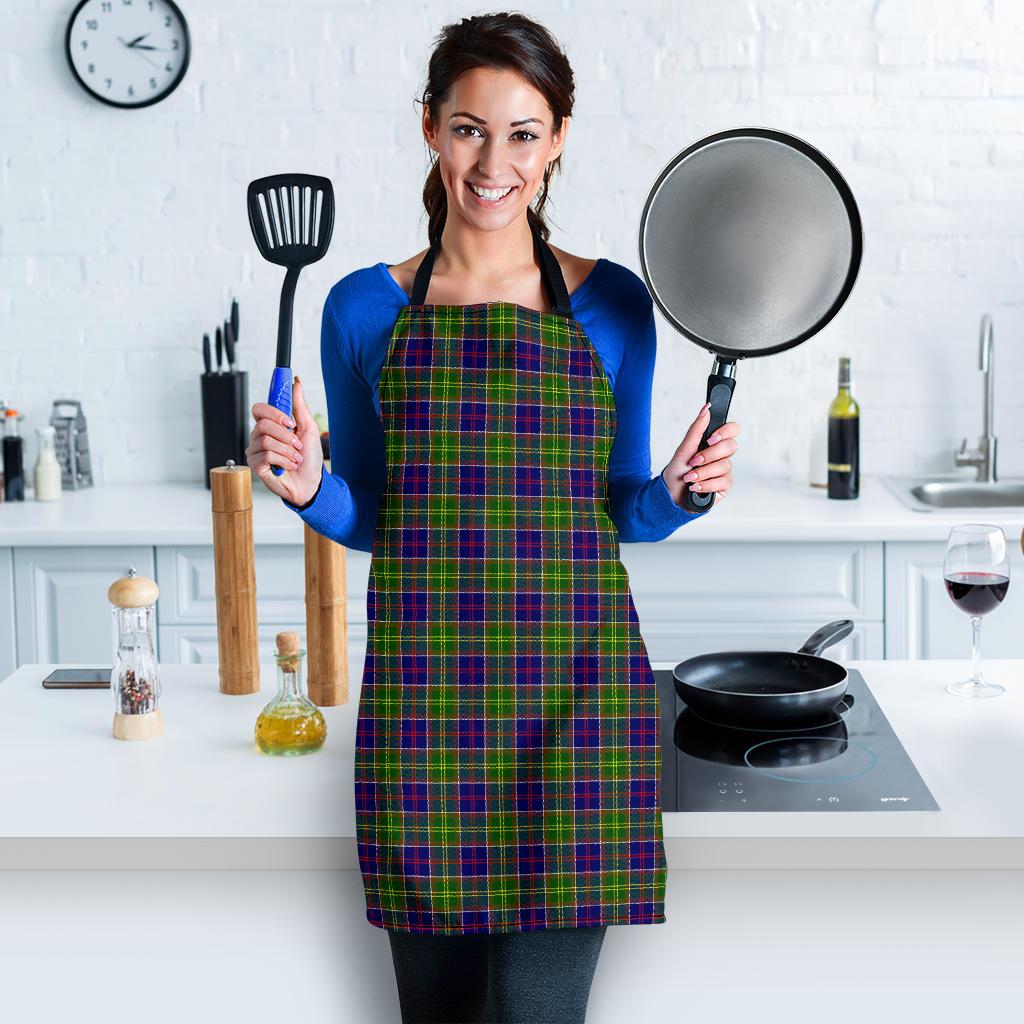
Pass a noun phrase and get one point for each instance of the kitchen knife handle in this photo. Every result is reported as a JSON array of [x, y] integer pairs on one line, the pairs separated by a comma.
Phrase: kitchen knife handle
[[229, 346], [720, 389], [281, 398]]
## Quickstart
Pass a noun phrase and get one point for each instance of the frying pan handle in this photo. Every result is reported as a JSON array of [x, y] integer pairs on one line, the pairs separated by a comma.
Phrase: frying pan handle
[[281, 398], [721, 384], [827, 636]]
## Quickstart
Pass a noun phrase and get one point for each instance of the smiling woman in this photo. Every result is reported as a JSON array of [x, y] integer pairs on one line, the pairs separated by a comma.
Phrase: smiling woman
[[489, 404]]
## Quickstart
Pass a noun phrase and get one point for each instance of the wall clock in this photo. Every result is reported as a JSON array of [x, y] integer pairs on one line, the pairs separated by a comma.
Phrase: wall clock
[[128, 53]]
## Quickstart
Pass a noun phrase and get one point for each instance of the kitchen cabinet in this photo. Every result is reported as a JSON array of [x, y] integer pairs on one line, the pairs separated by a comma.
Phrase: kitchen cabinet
[[921, 620], [690, 598], [61, 597], [695, 598], [8, 650], [187, 611], [197, 645], [188, 596]]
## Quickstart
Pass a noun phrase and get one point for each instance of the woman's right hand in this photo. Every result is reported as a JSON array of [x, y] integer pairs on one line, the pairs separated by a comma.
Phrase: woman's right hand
[[273, 443]]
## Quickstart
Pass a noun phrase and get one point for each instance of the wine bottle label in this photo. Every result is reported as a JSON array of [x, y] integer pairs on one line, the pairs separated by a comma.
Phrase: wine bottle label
[[843, 457]]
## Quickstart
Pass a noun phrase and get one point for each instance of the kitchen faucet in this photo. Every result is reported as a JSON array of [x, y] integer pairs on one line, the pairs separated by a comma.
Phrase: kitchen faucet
[[984, 456]]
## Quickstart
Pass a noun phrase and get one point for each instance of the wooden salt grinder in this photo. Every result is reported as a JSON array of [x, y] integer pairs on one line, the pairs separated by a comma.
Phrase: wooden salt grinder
[[234, 563], [326, 620]]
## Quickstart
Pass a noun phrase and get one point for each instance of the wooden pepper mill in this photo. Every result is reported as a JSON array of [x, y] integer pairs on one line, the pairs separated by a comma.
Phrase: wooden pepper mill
[[326, 620], [234, 562]]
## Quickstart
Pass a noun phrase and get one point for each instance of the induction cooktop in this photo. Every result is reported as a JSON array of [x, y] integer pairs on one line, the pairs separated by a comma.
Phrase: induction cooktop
[[848, 759]]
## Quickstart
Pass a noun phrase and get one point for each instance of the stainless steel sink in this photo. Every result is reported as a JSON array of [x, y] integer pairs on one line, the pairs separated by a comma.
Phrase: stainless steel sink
[[937, 492]]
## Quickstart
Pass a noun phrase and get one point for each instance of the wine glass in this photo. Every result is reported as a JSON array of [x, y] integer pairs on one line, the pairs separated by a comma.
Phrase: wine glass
[[977, 575]]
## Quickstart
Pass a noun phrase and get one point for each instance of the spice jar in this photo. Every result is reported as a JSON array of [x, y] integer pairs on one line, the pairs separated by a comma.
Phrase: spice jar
[[290, 723], [134, 681]]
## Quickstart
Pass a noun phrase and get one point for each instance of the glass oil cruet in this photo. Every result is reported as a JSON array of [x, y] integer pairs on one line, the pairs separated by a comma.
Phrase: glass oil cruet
[[134, 681], [291, 723]]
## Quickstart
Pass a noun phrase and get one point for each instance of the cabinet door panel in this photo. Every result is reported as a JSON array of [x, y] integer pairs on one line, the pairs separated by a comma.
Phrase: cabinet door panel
[[676, 582], [62, 610], [8, 649], [197, 645], [922, 622], [187, 572], [677, 644]]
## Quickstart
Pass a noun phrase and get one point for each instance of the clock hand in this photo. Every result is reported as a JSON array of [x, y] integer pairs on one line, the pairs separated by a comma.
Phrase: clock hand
[[138, 39]]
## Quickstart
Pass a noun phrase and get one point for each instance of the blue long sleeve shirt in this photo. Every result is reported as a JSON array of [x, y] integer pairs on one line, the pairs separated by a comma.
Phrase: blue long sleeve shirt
[[612, 306]]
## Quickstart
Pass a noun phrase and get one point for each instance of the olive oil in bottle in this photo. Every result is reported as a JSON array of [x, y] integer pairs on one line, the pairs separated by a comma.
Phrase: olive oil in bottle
[[844, 439], [290, 724]]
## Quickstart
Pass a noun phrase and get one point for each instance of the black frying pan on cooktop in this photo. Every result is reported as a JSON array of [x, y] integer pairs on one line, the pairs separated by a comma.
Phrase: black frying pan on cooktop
[[765, 686], [750, 242]]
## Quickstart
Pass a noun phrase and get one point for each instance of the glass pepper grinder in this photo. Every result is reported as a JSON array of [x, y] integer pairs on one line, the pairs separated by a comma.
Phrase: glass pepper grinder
[[291, 723], [134, 681]]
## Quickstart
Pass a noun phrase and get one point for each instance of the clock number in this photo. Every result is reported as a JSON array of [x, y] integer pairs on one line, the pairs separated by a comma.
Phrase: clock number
[[91, 67], [167, 21], [152, 83], [109, 82], [85, 44], [91, 24], [174, 44], [167, 66], [106, 7], [131, 90]]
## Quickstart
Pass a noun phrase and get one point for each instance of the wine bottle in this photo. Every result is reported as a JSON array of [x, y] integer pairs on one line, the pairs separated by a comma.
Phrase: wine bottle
[[844, 439], [14, 464]]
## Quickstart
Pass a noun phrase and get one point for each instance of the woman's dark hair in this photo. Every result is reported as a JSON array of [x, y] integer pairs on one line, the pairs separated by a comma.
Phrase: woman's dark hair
[[501, 41]]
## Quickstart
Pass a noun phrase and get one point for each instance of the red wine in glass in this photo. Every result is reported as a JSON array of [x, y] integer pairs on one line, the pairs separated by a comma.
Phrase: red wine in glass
[[977, 593], [976, 572]]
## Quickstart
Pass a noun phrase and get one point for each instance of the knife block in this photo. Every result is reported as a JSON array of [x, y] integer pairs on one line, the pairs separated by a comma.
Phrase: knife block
[[225, 402]]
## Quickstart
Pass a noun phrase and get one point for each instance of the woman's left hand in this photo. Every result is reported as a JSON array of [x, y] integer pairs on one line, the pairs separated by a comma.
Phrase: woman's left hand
[[709, 469]]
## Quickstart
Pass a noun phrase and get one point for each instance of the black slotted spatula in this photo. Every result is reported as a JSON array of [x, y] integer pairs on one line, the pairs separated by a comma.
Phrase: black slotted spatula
[[292, 217]]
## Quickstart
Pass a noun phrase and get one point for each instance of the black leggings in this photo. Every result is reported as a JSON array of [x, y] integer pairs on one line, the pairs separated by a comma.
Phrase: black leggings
[[534, 976]]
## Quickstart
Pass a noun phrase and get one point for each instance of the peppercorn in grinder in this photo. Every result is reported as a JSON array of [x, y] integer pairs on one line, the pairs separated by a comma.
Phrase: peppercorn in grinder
[[134, 681]]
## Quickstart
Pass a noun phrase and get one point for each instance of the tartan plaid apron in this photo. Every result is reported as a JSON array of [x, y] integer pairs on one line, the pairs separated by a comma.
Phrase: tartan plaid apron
[[507, 755]]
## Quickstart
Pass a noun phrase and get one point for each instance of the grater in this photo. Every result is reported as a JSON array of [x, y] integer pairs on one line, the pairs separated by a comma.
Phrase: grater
[[71, 441]]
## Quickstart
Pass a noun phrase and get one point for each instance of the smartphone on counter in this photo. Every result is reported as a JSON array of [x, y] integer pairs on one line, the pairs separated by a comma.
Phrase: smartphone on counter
[[78, 679]]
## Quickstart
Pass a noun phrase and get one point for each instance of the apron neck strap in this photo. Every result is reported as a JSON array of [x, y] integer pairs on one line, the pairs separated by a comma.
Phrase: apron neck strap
[[550, 271]]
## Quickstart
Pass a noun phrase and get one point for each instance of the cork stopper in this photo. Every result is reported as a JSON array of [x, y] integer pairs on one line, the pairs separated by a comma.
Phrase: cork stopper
[[133, 591], [289, 653]]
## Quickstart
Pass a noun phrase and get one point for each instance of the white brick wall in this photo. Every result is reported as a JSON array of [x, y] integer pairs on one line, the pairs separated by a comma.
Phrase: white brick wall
[[123, 234]]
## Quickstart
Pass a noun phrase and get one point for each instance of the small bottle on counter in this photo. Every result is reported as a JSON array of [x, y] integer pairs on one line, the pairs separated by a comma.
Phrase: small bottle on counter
[[3, 408], [47, 471], [844, 439], [14, 458], [291, 723]]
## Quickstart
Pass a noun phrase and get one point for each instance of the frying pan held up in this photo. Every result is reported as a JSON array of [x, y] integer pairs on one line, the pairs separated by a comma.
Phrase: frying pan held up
[[750, 243], [766, 687]]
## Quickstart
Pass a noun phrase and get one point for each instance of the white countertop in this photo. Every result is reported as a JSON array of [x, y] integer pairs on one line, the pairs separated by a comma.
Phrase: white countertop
[[756, 509], [202, 795]]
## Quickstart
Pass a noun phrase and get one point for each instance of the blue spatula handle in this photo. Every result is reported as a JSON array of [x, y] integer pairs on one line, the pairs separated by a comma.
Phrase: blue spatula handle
[[281, 398]]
